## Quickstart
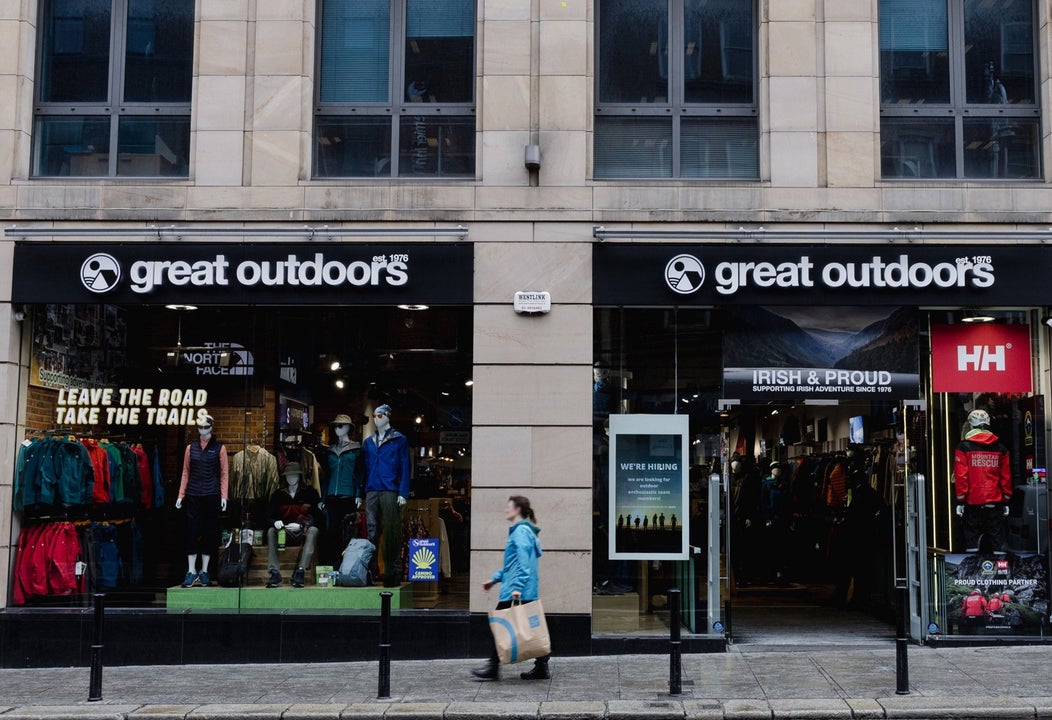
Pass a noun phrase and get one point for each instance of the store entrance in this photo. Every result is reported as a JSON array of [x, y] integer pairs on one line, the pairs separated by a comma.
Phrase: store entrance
[[810, 507]]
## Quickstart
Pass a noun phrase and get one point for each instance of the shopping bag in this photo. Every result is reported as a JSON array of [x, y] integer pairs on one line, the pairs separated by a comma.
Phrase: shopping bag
[[520, 632]]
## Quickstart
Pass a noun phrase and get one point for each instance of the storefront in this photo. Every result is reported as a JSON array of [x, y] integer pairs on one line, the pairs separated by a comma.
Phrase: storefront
[[789, 431], [294, 350]]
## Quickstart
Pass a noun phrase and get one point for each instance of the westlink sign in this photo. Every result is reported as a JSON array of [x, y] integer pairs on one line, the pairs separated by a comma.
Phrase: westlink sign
[[211, 273], [653, 274]]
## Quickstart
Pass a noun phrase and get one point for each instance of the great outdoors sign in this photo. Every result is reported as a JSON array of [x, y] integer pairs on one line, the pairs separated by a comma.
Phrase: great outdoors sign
[[243, 273], [649, 274]]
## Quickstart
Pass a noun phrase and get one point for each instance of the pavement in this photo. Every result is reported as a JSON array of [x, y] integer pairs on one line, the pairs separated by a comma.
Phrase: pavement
[[993, 683]]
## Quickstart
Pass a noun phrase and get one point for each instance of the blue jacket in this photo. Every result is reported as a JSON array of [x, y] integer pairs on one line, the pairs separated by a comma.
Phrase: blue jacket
[[520, 562], [387, 464]]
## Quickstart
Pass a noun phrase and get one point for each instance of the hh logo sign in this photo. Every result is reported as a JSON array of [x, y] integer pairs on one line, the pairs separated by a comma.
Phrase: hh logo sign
[[981, 358]]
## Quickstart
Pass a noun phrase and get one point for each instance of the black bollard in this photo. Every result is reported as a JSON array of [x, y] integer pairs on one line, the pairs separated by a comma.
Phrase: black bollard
[[95, 690], [675, 666], [384, 690], [902, 663]]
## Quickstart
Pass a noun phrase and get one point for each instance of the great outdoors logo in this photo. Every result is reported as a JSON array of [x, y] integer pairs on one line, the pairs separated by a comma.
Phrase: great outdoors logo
[[685, 274], [101, 272]]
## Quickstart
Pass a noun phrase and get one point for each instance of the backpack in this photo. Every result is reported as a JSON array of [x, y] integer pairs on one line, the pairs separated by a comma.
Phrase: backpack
[[354, 570], [233, 565]]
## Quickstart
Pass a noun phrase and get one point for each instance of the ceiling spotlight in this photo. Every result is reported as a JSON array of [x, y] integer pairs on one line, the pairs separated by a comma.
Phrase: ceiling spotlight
[[469, 382], [773, 413], [335, 365], [340, 384], [419, 419], [175, 306], [445, 393], [972, 315], [414, 308]]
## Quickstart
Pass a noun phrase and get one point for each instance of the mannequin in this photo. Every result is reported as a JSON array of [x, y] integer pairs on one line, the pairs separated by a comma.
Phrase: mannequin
[[773, 517], [983, 484], [203, 490], [745, 502], [344, 482], [387, 470], [292, 509]]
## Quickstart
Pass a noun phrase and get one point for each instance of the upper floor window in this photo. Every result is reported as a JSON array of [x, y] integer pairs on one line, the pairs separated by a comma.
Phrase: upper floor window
[[688, 113], [957, 89], [113, 95], [396, 89]]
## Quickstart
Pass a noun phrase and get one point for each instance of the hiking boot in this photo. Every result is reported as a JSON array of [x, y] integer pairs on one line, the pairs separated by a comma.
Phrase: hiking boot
[[298, 578], [489, 671], [190, 579], [275, 579], [540, 671]]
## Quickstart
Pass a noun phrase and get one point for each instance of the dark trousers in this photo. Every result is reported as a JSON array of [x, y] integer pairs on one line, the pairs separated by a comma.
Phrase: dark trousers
[[985, 520], [383, 516], [494, 657], [202, 524]]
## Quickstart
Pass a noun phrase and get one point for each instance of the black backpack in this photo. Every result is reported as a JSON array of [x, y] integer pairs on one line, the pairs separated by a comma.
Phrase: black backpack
[[233, 565]]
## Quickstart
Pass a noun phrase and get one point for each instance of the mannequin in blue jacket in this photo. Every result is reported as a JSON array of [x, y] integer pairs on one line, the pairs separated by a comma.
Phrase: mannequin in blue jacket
[[387, 473]]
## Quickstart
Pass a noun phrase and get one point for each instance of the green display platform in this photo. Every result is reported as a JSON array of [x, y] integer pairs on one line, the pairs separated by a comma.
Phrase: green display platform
[[287, 598]]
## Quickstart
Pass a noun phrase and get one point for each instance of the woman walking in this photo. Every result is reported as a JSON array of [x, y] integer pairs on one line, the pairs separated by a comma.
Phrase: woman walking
[[518, 579]]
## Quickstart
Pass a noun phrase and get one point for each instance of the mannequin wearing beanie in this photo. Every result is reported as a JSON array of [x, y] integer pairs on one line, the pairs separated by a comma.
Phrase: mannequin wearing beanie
[[388, 470], [203, 492], [982, 474]]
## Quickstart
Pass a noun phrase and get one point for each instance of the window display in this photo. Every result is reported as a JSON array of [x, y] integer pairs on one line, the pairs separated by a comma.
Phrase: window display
[[240, 457]]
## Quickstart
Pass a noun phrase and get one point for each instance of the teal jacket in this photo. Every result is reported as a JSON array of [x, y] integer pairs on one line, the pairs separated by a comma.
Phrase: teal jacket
[[520, 562]]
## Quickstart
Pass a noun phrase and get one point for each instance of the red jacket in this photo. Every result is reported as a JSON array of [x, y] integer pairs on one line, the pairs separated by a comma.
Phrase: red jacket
[[974, 605], [994, 604], [981, 470]]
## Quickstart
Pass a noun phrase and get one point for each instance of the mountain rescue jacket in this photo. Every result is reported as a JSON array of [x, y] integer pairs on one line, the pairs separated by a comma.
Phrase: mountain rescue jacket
[[974, 605], [982, 471], [520, 563], [388, 467]]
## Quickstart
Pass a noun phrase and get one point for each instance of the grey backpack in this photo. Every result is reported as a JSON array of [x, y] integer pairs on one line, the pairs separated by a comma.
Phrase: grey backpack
[[354, 570]]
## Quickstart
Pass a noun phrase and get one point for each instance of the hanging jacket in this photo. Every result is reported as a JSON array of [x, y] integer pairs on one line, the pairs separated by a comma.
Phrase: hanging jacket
[[116, 472], [346, 471], [982, 470], [387, 464], [252, 471], [100, 463], [520, 563], [974, 605], [158, 479], [142, 465]]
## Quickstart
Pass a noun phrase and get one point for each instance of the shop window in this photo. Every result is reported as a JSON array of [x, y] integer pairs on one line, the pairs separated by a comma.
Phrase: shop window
[[396, 89], [689, 113], [108, 85], [957, 89], [115, 397]]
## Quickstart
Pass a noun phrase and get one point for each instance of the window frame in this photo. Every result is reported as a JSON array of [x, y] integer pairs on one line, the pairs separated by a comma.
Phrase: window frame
[[958, 108], [396, 107], [118, 47], [676, 107]]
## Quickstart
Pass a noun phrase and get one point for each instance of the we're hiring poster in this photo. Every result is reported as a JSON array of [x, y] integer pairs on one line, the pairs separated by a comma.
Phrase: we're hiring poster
[[815, 352], [649, 487]]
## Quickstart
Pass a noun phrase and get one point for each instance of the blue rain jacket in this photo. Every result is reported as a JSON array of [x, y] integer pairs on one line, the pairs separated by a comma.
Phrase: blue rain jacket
[[387, 464], [520, 562]]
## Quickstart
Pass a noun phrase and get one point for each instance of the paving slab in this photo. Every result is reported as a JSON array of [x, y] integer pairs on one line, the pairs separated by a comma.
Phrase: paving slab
[[810, 709], [747, 710], [504, 710], [865, 709], [83, 711], [655, 709], [416, 711], [1042, 706], [363, 711], [162, 712], [703, 709], [956, 708], [571, 710], [314, 711], [241, 711]]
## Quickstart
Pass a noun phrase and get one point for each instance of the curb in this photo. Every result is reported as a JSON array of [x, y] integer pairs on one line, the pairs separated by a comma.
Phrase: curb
[[890, 708]]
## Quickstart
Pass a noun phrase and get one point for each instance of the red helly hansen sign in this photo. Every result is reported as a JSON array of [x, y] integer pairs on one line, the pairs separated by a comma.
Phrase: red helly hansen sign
[[981, 358]]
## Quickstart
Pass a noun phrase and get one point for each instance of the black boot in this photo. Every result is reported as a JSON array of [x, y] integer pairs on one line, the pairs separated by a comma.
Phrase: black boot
[[489, 671], [299, 578], [540, 671], [275, 579]]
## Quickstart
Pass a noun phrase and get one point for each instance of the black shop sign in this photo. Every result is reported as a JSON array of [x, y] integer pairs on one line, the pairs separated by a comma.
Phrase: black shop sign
[[645, 274], [243, 273]]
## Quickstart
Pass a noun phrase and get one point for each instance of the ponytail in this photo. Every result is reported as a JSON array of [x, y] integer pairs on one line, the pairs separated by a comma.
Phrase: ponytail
[[523, 504]]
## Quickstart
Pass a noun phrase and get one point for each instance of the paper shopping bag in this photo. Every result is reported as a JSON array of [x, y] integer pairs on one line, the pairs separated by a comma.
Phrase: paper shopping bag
[[521, 632]]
